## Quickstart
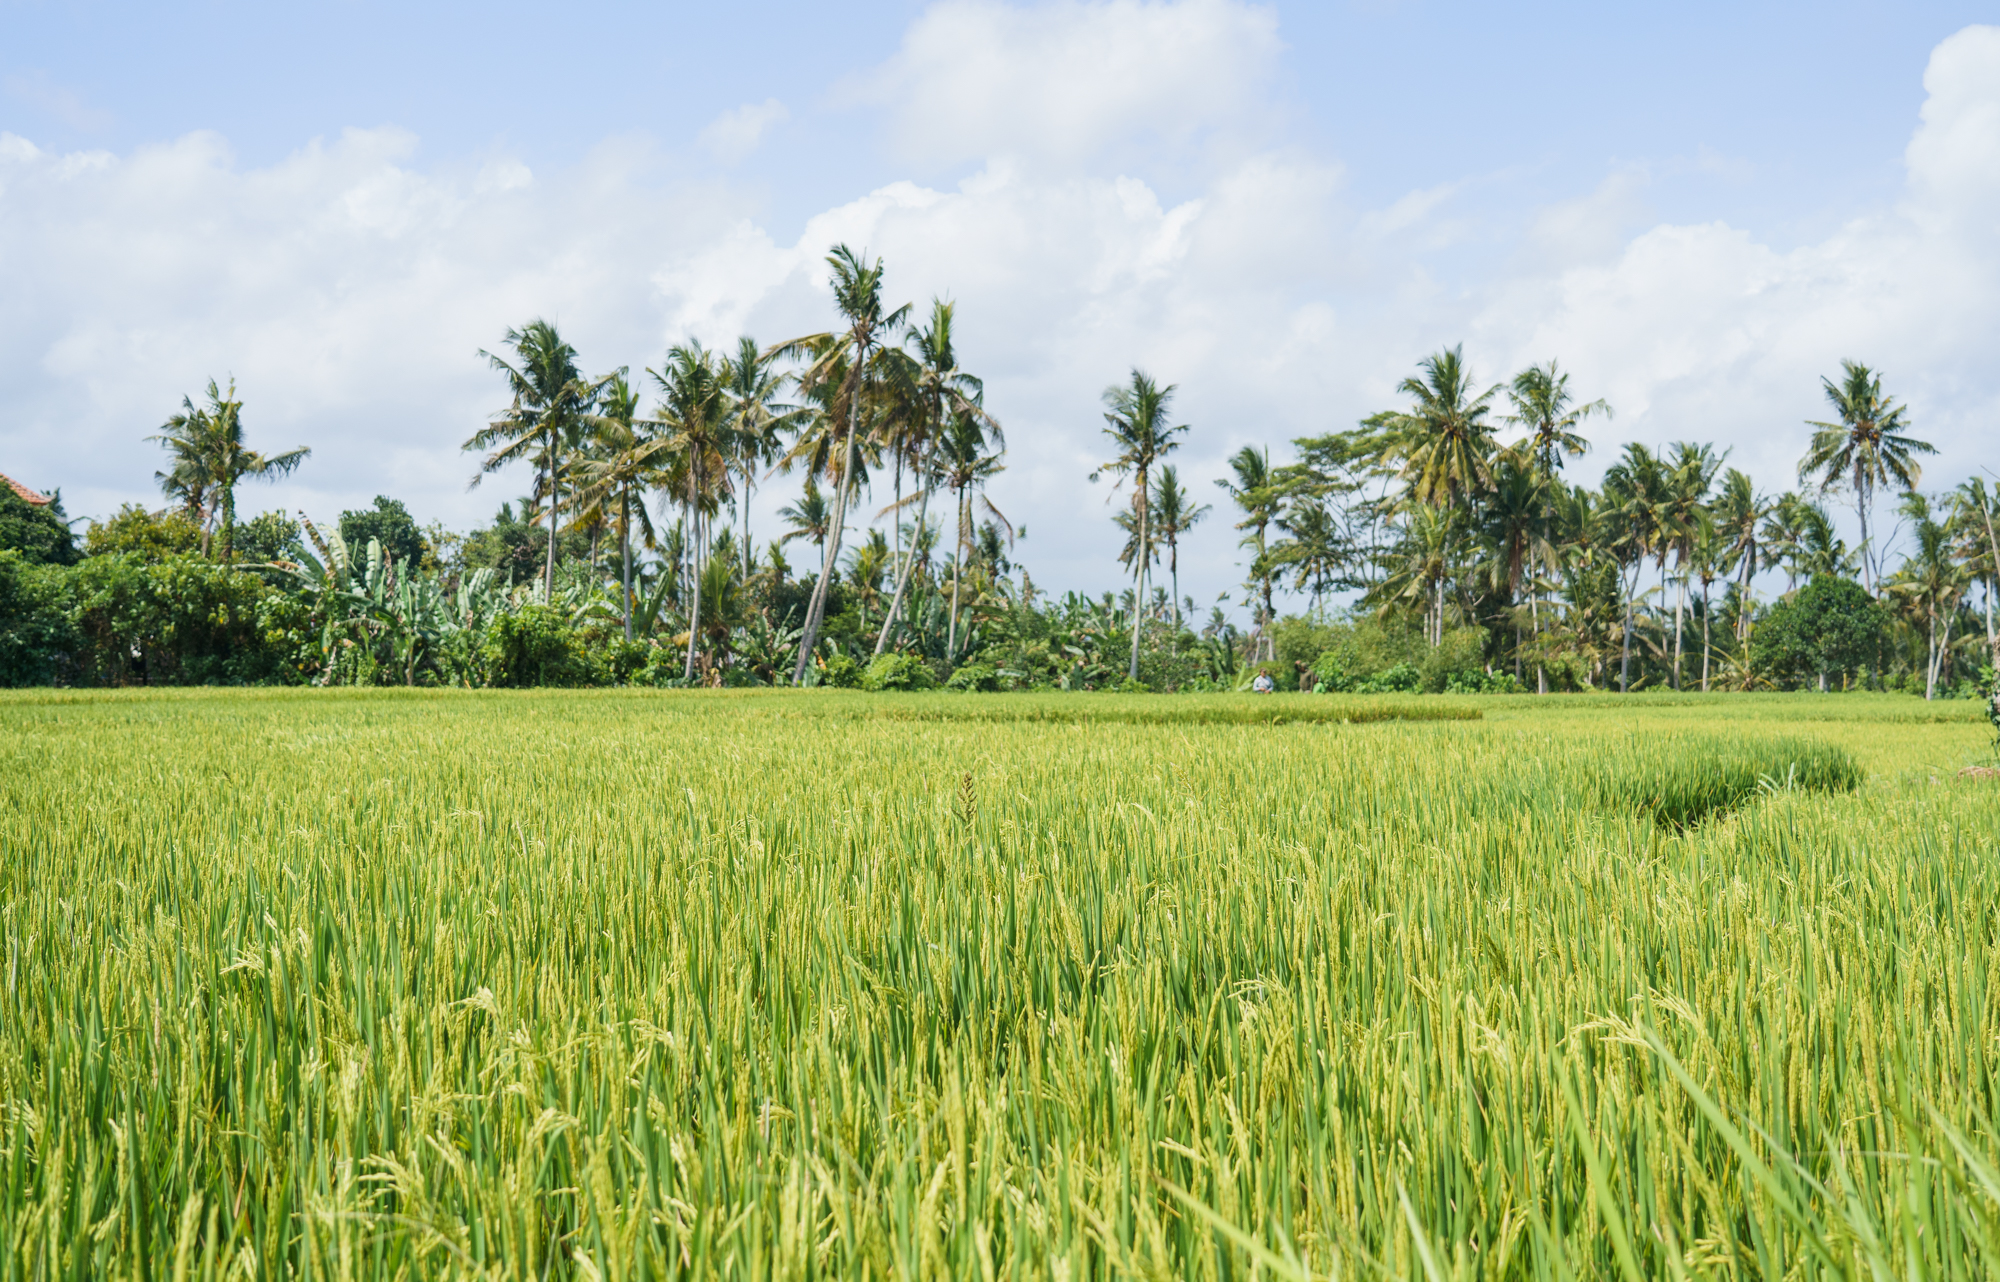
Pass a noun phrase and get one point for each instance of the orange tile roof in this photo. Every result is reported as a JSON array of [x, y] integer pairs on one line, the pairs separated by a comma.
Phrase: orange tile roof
[[37, 499]]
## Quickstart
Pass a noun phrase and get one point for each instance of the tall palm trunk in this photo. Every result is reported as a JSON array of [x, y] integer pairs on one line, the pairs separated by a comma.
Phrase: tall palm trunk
[[957, 575], [549, 573], [1535, 632], [1625, 635], [1174, 576], [625, 559], [816, 608], [694, 614], [1863, 498], [1680, 601], [903, 571], [1139, 579], [1705, 639]]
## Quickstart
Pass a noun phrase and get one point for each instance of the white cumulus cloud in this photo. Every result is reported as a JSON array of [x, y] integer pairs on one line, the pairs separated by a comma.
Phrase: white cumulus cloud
[[347, 289]]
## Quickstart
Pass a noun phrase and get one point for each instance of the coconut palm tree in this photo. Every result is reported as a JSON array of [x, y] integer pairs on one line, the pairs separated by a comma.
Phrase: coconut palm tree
[[1174, 514], [551, 401], [694, 418], [941, 392], [1736, 513], [758, 421], [809, 518], [1543, 405], [1868, 448], [1690, 475], [1444, 441], [842, 359], [627, 460], [209, 458], [1930, 584], [1260, 493], [1136, 421], [1636, 488], [964, 466]]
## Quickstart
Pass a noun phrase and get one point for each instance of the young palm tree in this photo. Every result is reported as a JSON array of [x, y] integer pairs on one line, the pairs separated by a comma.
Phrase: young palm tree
[[627, 460], [842, 358], [1136, 419], [1260, 493], [757, 422], [1867, 448], [551, 401], [809, 518], [1174, 514], [694, 415], [941, 393], [209, 458], [1930, 584]]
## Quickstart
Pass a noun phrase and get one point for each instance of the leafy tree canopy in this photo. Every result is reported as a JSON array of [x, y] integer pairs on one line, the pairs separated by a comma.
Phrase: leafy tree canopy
[[1832, 626], [151, 536], [390, 524]]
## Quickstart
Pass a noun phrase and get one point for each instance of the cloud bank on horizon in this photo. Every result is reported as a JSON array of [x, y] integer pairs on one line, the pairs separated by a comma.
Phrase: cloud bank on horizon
[[347, 287]]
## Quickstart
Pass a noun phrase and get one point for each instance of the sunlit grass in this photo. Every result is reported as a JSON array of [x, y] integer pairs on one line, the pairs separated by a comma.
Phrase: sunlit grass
[[630, 984]]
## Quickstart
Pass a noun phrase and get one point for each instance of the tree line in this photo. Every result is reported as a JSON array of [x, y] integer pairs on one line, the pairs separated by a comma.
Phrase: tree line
[[1427, 553]]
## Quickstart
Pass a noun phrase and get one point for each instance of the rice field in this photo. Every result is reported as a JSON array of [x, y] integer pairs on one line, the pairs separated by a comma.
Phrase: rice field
[[360, 984]]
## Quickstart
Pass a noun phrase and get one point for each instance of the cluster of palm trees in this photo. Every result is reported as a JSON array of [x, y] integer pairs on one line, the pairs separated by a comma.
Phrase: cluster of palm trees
[[1424, 513], [837, 405]]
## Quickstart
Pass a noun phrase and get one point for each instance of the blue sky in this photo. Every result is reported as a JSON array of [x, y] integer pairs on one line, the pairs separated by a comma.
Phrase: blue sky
[[1699, 208]]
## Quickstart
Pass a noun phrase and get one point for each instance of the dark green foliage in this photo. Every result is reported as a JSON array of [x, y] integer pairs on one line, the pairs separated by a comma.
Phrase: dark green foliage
[[389, 523], [1678, 782], [515, 548], [37, 633], [536, 646], [38, 532], [974, 677], [182, 620], [274, 536], [150, 536], [1830, 628], [898, 672], [841, 672], [1196, 710]]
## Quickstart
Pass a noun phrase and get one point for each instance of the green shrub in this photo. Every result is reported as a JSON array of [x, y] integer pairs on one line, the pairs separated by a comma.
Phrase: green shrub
[[840, 671], [898, 672], [536, 646], [974, 677]]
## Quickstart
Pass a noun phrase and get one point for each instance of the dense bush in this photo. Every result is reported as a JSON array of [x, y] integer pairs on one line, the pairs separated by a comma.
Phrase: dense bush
[[974, 677], [898, 672], [537, 646]]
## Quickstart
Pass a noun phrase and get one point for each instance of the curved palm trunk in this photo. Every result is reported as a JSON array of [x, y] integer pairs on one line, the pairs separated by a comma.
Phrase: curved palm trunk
[[1704, 638], [549, 571], [816, 608], [1625, 635], [903, 571]]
